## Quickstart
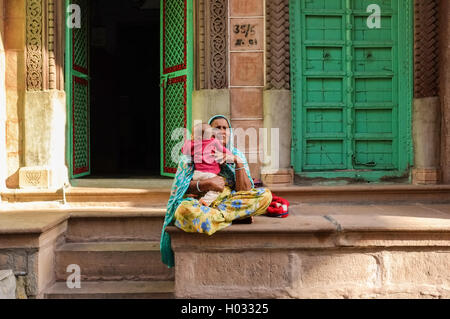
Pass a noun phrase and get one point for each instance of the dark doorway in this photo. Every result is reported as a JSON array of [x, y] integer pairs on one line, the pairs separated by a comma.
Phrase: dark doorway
[[125, 102]]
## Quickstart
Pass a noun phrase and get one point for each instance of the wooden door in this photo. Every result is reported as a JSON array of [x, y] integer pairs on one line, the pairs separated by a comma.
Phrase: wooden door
[[353, 88]]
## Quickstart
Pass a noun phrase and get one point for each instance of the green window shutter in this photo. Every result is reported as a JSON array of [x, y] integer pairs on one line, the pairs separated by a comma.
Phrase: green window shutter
[[77, 93], [352, 88], [176, 78]]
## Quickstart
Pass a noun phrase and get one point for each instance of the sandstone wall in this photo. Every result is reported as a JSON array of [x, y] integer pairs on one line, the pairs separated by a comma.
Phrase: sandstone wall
[[444, 9]]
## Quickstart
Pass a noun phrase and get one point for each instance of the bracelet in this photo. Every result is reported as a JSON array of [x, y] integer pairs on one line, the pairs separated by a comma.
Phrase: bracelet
[[238, 169], [198, 187]]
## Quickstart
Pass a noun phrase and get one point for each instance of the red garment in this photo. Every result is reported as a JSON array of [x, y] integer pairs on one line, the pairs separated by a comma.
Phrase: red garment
[[278, 208], [203, 153]]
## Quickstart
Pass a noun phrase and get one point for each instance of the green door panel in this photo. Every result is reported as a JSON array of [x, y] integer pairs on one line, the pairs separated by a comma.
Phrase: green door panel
[[176, 79], [352, 88], [77, 93]]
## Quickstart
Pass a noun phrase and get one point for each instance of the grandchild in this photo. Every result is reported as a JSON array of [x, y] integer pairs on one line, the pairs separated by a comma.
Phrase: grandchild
[[203, 149]]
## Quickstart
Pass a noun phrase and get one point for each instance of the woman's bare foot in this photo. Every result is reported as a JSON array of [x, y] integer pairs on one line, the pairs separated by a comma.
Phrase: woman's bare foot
[[248, 220]]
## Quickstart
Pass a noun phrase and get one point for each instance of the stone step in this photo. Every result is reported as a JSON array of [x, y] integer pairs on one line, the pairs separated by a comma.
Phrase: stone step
[[113, 261], [158, 197], [366, 194], [115, 224], [321, 251], [113, 290], [82, 196]]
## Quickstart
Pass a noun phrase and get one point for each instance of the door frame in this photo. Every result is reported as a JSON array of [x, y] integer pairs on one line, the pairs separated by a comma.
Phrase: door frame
[[405, 66]]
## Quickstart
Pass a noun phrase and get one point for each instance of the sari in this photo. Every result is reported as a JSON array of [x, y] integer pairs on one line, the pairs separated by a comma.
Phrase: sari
[[190, 216]]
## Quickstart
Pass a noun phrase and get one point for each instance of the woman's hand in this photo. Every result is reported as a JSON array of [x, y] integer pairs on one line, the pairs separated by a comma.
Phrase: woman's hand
[[216, 184], [223, 158]]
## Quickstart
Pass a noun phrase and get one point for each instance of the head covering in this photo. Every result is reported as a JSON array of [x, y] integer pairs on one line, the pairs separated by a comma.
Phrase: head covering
[[228, 170], [181, 184]]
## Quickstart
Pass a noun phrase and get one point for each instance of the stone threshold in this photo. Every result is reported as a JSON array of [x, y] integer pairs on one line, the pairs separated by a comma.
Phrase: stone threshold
[[297, 194]]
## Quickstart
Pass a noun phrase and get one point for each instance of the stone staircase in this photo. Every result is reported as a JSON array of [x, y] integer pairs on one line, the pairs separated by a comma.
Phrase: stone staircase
[[358, 238], [117, 250]]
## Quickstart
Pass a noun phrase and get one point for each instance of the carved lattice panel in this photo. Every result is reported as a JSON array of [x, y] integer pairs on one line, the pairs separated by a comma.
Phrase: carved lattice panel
[[175, 119], [80, 127], [78, 92], [80, 36], [426, 48], [278, 50], [176, 80], [175, 35]]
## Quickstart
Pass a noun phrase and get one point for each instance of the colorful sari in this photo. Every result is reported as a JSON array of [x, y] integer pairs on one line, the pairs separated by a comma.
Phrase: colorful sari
[[190, 216]]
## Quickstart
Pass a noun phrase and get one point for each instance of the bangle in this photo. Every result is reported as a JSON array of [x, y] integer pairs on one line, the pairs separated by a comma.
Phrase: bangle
[[238, 169], [198, 187]]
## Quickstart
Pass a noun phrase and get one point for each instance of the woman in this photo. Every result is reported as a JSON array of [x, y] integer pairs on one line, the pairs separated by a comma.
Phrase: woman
[[238, 200]]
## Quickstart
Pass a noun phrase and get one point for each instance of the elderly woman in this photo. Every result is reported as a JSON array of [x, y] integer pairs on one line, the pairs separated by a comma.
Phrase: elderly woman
[[238, 200]]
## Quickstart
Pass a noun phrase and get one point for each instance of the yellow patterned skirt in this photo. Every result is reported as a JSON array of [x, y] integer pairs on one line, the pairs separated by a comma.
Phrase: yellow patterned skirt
[[192, 217]]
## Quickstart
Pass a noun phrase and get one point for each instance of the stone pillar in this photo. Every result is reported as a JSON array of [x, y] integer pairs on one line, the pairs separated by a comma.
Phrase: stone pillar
[[444, 20], [426, 137], [277, 168], [14, 41], [247, 76], [3, 163], [44, 140], [44, 111], [426, 109]]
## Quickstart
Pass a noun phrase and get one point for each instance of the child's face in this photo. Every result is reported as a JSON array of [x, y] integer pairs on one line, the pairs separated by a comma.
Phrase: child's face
[[207, 132], [203, 132]]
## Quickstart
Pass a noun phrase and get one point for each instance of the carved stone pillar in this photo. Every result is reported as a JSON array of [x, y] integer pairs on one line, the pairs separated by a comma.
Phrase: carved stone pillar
[[277, 96], [44, 109], [426, 115], [211, 96]]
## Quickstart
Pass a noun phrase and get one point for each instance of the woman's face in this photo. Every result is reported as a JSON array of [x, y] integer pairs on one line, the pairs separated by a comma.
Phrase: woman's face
[[222, 130]]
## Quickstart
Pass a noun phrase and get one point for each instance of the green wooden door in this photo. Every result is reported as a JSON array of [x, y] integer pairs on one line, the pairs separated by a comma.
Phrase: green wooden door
[[176, 79], [352, 88], [77, 92]]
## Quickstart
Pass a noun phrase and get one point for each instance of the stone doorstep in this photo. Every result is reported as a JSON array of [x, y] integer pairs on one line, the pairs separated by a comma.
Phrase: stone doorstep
[[159, 197], [110, 247], [90, 195], [117, 212], [113, 289]]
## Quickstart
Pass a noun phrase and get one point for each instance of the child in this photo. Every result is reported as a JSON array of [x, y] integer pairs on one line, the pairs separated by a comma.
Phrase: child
[[203, 149]]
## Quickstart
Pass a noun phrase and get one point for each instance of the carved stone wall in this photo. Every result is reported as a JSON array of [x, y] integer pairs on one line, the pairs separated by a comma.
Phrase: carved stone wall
[[212, 17], [34, 45], [51, 35], [42, 44], [277, 44], [426, 48]]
